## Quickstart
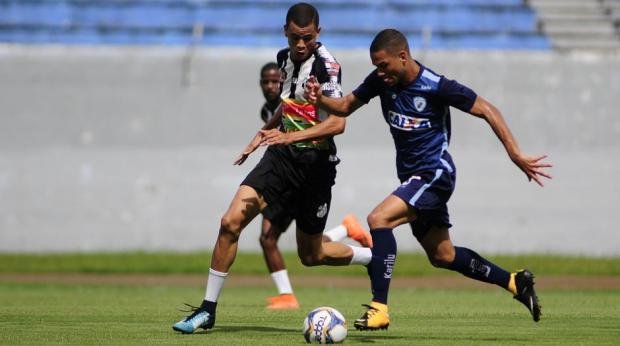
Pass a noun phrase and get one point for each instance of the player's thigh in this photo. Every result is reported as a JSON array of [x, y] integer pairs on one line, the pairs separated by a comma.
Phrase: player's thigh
[[390, 213], [243, 208]]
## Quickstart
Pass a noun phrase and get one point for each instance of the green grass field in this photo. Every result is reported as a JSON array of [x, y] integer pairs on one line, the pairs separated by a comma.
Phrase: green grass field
[[409, 264], [120, 314]]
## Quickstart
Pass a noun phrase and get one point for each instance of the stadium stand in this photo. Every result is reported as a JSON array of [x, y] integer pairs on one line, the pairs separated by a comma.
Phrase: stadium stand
[[580, 24], [440, 24]]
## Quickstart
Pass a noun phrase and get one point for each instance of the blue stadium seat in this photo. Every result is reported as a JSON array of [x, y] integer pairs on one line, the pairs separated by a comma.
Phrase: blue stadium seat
[[453, 24]]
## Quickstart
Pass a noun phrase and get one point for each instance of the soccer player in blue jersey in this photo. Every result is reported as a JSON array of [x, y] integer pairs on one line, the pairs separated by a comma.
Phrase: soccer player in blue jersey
[[415, 102]]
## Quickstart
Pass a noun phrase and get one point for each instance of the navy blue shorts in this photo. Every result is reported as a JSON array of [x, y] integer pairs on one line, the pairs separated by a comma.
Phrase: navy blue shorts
[[428, 193]]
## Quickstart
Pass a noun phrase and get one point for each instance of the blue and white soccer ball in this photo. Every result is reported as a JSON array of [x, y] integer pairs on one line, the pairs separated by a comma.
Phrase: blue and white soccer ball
[[324, 325]]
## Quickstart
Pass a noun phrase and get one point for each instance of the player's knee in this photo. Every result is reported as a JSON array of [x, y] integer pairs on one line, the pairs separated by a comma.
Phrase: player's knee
[[267, 242], [440, 260], [310, 260], [230, 228], [375, 219], [230, 223]]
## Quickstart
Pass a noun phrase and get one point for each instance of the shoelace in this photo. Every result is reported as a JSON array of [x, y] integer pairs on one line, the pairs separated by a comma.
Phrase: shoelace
[[370, 312], [195, 310], [191, 307]]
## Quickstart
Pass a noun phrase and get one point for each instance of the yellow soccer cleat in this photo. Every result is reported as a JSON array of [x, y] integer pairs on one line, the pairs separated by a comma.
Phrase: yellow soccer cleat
[[376, 317]]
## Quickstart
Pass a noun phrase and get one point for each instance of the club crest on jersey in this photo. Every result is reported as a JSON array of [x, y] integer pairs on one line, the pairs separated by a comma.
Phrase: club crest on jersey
[[419, 103], [407, 123], [321, 211]]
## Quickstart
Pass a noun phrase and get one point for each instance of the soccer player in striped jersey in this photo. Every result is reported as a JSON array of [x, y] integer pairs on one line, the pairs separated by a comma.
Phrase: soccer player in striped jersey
[[296, 173], [416, 105], [272, 229]]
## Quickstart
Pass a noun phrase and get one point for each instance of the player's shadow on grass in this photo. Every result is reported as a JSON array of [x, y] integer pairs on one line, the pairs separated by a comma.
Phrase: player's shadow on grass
[[371, 337], [245, 328]]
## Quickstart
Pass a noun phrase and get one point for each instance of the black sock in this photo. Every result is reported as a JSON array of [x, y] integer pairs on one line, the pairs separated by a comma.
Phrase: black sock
[[382, 263], [208, 306], [472, 265]]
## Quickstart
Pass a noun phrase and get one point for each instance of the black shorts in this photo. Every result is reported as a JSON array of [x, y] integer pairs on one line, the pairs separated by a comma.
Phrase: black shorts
[[297, 182], [282, 220]]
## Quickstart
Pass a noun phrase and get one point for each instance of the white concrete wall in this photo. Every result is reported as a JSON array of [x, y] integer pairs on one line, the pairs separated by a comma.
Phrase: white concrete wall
[[105, 149]]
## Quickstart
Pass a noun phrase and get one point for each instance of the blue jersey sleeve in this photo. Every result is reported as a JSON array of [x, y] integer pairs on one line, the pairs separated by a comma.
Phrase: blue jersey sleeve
[[369, 88], [455, 94]]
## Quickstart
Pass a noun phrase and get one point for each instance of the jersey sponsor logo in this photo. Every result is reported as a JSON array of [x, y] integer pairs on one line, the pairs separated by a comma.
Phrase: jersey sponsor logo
[[299, 115], [300, 110], [321, 211], [419, 103], [407, 123]]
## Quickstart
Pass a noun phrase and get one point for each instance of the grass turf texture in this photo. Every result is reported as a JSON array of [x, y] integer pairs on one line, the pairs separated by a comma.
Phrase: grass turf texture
[[408, 264], [141, 314], [131, 314]]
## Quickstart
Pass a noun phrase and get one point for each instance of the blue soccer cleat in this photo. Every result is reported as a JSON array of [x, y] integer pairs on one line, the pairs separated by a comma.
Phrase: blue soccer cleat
[[200, 318]]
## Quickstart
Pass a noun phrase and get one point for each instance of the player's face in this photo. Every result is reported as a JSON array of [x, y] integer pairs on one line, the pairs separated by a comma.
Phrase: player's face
[[270, 84], [301, 40], [390, 67]]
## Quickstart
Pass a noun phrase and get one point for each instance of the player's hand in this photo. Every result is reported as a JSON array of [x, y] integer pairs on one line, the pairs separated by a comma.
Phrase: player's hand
[[274, 136], [533, 167], [254, 143], [312, 90]]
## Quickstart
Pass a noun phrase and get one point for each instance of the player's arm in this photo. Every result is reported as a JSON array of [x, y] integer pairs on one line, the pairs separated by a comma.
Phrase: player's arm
[[256, 140], [342, 106], [275, 120], [331, 126], [532, 166]]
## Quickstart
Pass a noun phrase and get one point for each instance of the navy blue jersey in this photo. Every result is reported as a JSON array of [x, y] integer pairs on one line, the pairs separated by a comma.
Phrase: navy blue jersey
[[419, 118]]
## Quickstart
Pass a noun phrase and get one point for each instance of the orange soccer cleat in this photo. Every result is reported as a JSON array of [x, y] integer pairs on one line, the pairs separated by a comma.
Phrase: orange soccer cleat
[[283, 301], [356, 232]]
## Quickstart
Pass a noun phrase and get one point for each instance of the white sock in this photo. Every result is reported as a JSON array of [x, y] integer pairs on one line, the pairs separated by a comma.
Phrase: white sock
[[337, 233], [280, 278], [214, 285], [361, 255]]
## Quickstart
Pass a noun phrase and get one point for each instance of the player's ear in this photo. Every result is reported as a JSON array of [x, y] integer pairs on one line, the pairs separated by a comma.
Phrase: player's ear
[[318, 30], [402, 55], [285, 29]]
